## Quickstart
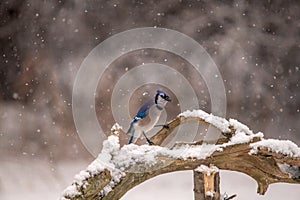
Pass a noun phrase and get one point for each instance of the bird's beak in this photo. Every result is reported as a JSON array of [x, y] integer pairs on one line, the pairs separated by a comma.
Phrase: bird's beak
[[168, 99]]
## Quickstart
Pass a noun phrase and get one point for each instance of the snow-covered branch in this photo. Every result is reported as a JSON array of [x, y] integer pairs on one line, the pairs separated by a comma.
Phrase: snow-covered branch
[[118, 169]]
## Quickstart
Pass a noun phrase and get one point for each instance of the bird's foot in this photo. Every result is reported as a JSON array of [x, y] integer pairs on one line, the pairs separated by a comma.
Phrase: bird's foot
[[130, 140], [166, 126], [229, 198], [150, 142]]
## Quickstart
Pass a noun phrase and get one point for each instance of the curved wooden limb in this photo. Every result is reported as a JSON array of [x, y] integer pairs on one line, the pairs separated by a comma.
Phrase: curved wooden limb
[[162, 134], [263, 165]]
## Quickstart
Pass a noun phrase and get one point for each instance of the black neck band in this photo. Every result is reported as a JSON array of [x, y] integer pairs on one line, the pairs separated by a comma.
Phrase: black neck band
[[156, 97]]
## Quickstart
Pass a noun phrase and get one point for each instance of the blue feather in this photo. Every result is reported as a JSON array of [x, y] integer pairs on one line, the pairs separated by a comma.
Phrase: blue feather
[[143, 112]]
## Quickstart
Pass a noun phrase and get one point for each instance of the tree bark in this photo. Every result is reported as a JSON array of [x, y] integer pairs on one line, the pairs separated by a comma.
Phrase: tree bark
[[206, 185], [263, 166], [198, 186]]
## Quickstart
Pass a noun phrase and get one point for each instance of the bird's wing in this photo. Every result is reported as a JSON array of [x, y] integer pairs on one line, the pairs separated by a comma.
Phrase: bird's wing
[[143, 112]]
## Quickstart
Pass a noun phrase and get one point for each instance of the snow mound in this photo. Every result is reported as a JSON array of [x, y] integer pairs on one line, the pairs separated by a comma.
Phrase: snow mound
[[206, 169], [285, 147], [218, 122], [239, 127], [111, 147]]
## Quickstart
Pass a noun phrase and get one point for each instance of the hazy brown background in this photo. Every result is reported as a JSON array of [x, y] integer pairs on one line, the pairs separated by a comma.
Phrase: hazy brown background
[[255, 44]]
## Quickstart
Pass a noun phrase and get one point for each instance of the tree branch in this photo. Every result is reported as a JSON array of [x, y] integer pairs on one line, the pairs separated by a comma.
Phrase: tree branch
[[161, 135], [131, 165], [206, 183]]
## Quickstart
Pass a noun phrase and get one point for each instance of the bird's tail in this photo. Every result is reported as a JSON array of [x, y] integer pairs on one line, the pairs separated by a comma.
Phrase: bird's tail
[[131, 131], [130, 128]]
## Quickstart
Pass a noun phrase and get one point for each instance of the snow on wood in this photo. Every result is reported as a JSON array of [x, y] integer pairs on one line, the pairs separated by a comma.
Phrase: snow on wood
[[208, 184], [241, 138], [116, 126], [210, 194], [208, 170], [130, 155], [115, 129], [218, 122], [284, 147], [239, 127], [103, 162], [71, 191], [242, 132], [116, 160]]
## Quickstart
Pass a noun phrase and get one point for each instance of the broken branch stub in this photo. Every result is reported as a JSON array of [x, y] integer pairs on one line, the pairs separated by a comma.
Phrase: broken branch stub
[[206, 183]]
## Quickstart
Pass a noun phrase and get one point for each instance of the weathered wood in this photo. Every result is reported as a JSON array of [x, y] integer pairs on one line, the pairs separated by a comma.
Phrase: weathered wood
[[198, 186], [162, 134], [92, 186], [263, 166], [206, 185]]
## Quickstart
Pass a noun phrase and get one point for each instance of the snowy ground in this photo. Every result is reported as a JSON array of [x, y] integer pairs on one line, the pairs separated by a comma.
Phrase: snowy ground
[[36, 179]]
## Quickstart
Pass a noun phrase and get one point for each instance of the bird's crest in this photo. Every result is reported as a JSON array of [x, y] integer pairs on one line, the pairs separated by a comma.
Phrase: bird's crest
[[163, 95]]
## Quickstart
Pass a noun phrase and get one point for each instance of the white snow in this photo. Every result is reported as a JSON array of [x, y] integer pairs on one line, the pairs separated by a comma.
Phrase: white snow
[[242, 137], [186, 151], [218, 122], [209, 194], [116, 127], [243, 133], [207, 170], [285, 147], [70, 191], [132, 154], [111, 144], [79, 178], [239, 127], [110, 148], [118, 160]]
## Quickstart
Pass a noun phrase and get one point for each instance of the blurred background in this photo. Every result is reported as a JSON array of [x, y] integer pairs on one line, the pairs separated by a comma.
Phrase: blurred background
[[255, 44]]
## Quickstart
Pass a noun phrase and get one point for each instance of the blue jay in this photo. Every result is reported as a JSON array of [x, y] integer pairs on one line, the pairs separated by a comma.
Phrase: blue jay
[[149, 112]]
